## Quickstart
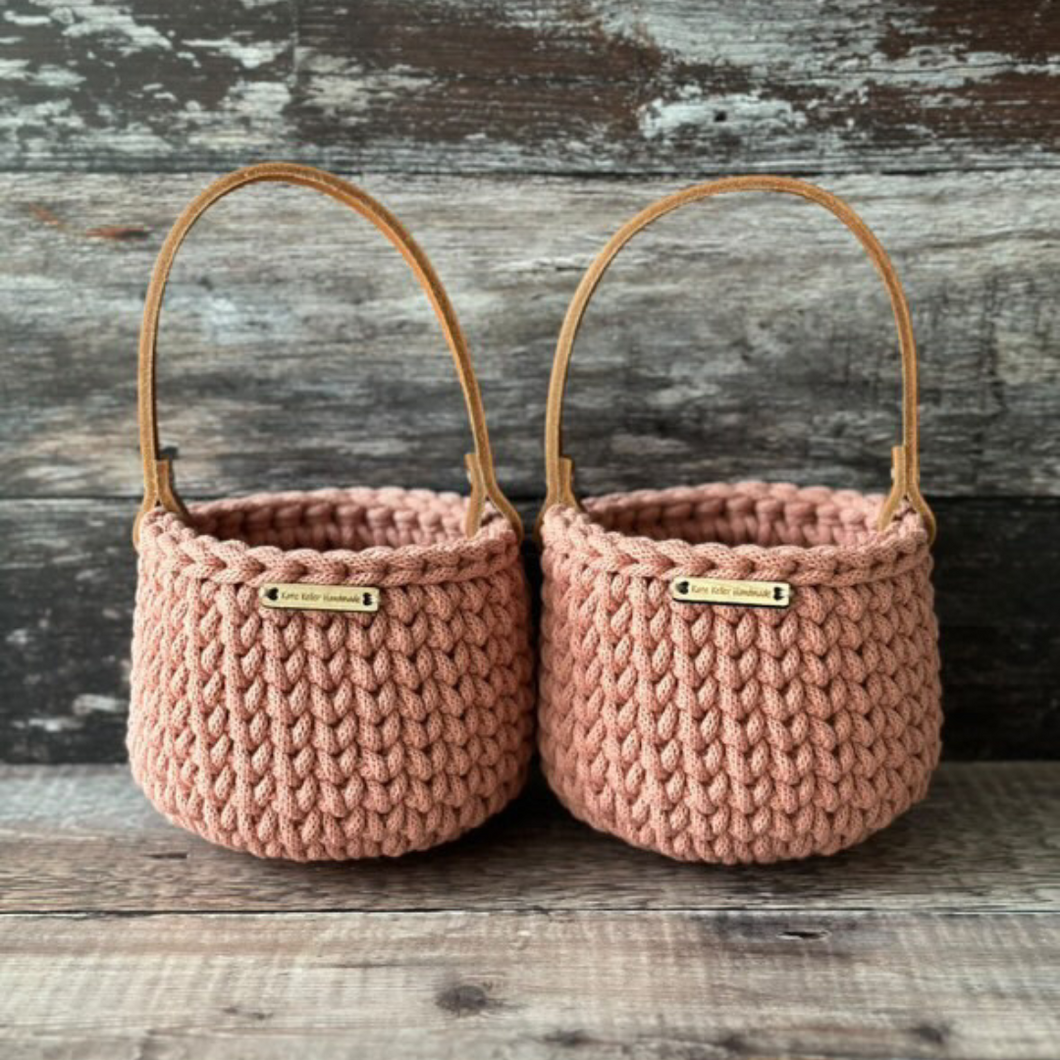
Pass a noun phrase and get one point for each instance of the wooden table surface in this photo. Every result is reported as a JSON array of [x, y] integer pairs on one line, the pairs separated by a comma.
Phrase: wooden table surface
[[123, 937]]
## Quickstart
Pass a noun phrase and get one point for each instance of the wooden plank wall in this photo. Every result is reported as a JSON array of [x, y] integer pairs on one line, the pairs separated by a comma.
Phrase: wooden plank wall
[[744, 338]]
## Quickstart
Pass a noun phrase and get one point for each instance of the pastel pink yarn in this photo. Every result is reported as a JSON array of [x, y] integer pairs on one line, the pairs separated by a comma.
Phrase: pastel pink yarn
[[734, 734], [319, 735]]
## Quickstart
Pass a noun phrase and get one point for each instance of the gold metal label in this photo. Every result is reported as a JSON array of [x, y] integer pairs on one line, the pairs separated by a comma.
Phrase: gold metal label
[[301, 597], [731, 593]]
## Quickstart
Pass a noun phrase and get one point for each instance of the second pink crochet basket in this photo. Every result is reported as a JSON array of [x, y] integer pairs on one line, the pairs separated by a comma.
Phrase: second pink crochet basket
[[335, 674], [738, 672]]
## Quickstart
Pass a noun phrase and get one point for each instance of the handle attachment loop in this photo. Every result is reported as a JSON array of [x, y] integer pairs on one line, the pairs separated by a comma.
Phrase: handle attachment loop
[[159, 487]]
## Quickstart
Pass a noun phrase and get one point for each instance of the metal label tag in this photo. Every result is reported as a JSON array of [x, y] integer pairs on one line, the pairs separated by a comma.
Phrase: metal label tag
[[300, 597], [730, 593]]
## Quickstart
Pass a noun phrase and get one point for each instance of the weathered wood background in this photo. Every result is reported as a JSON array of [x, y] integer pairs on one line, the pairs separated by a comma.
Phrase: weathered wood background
[[744, 338]]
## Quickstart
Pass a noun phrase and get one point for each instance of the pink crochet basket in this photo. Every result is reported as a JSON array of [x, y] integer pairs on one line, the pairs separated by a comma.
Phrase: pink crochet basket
[[738, 673], [335, 674]]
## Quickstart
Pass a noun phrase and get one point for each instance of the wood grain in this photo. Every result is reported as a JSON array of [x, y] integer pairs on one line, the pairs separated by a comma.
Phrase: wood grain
[[545, 984], [748, 339], [745, 338], [82, 839], [533, 937], [68, 573], [675, 86]]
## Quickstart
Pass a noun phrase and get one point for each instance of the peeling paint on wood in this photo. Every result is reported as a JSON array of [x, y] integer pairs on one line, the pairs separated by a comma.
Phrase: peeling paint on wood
[[291, 353], [746, 339], [604, 85], [121, 233]]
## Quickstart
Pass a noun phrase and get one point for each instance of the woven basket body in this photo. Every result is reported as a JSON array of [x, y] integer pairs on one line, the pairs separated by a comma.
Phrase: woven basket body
[[738, 734], [795, 720], [313, 735], [385, 713]]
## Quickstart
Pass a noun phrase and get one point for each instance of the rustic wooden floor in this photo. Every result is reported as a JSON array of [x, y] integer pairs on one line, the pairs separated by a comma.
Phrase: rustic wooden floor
[[534, 937]]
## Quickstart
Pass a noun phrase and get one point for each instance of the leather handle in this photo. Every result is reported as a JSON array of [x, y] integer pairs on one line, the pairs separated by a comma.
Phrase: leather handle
[[159, 487], [906, 460]]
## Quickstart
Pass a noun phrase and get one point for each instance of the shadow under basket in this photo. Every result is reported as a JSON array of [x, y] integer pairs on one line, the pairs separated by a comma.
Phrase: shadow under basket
[[312, 734], [730, 733]]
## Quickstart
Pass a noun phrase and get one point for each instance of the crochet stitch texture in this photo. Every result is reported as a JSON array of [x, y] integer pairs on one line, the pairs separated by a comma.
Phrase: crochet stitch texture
[[734, 734], [315, 735]]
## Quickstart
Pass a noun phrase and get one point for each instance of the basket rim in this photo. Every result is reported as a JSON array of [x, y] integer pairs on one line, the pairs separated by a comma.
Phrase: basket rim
[[901, 545], [204, 556]]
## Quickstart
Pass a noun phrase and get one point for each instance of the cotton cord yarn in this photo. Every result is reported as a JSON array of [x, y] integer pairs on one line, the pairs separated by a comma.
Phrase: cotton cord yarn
[[735, 734], [315, 735]]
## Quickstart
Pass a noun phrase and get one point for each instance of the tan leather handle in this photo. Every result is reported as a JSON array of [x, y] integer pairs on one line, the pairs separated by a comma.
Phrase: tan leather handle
[[158, 472], [906, 461]]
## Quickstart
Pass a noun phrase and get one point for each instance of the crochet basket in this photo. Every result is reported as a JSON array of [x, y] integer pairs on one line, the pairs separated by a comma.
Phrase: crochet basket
[[335, 674], [721, 731]]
